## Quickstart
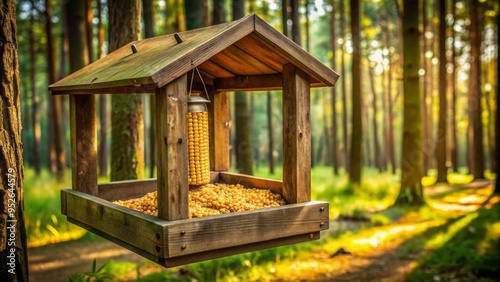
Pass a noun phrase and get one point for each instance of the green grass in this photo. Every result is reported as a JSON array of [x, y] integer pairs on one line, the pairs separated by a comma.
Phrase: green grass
[[44, 222]]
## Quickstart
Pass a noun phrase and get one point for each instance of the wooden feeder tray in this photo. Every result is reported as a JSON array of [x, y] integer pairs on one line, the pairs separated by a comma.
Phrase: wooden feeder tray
[[178, 242], [247, 54]]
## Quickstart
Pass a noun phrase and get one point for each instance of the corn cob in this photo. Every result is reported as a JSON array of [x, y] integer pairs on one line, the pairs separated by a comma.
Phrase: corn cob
[[199, 160]]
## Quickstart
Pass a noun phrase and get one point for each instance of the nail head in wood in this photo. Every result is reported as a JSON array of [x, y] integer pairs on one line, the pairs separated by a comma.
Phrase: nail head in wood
[[134, 48], [321, 209], [311, 235], [183, 247], [183, 233], [178, 38]]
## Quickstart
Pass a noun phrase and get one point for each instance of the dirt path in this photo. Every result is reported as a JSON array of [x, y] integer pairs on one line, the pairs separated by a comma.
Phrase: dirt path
[[57, 262]]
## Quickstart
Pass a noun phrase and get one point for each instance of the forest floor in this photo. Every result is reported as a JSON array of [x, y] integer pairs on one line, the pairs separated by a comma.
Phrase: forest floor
[[381, 261]]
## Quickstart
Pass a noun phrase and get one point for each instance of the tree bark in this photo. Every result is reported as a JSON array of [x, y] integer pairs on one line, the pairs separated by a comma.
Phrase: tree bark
[[90, 29], [13, 247], [194, 14], [376, 145], [243, 141], [270, 132], [356, 162], [474, 97], [345, 131], [127, 132], [426, 134], [442, 134], [219, 12], [411, 174], [453, 141], [148, 16], [333, 47], [296, 22], [56, 118], [497, 115], [103, 102], [389, 116], [35, 119]]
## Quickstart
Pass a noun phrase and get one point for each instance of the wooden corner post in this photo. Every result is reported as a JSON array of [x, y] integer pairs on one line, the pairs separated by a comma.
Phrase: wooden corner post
[[296, 135], [83, 144], [172, 150], [219, 126]]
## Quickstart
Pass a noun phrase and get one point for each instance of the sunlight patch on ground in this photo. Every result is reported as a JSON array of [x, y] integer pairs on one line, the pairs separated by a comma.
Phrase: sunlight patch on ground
[[444, 236]]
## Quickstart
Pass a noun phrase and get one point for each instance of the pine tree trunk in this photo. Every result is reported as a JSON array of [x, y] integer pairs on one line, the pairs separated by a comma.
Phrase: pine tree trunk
[[454, 141], [56, 118], [270, 132], [345, 132], [103, 102], [149, 32], [426, 134], [357, 128], [442, 134], [127, 131], [333, 43], [296, 22], [411, 167], [390, 150], [474, 97], [13, 247], [219, 12], [376, 145], [194, 14], [35, 120], [497, 115]]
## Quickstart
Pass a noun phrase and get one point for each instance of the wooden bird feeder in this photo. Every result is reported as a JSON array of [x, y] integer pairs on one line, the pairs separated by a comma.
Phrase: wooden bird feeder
[[247, 54]]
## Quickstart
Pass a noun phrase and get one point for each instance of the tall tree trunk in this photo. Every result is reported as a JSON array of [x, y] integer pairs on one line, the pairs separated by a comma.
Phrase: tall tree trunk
[[219, 12], [345, 132], [453, 141], [194, 14], [151, 148], [295, 16], [56, 118], [35, 120], [442, 134], [127, 140], [426, 134], [286, 9], [497, 115], [366, 142], [391, 155], [357, 128], [13, 247], [103, 102], [90, 29], [411, 172], [306, 26], [376, 145], [270, 132], [474, 101], [333, 43], [243, 137]]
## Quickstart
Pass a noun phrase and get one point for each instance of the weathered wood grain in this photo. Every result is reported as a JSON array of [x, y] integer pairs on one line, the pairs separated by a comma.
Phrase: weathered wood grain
[[143, 231], [296, 135], [248, 46], [293, 53], [248, 181], [83, 137], [125, 190], [172, 155], [219, 128], [240, 228], [250, 82]]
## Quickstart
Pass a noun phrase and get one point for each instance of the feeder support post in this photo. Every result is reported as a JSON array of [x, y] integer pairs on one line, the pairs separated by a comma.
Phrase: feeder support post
[[83, 143], [296, 135], [219, 127], [172, 150]]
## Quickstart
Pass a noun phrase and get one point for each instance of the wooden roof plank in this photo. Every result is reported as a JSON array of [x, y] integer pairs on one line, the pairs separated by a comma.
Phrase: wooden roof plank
[[248, 46], [294, 53]]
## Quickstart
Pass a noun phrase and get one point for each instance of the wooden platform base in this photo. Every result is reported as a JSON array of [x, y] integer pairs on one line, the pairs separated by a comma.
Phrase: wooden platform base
[[178, 242]]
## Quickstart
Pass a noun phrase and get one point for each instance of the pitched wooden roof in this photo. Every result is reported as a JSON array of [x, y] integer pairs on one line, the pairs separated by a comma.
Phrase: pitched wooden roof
[[247, 54]]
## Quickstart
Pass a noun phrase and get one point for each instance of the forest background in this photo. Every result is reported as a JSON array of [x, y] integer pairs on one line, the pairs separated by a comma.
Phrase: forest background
[[357, 126], [324, 29]]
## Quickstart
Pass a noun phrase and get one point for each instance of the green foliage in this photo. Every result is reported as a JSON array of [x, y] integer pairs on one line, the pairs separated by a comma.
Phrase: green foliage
[[95, 275]]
